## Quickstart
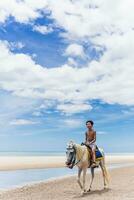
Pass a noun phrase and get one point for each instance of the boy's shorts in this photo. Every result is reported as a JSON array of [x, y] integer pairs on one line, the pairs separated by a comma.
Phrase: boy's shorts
[[93, 146]]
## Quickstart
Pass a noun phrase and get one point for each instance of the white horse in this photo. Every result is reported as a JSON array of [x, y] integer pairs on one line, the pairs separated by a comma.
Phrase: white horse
[[80, 156]]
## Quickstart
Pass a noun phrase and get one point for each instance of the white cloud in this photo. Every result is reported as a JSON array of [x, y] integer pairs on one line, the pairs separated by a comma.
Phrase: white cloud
[[104, 80], [74, 108], [23, 122], [79, 18], [102, 133], [14, 107], [82, 19], [37, 113], [73, 123], [72, 62], [75, 50], [100, 23], [16, 45], [43, 29], [22, 11]]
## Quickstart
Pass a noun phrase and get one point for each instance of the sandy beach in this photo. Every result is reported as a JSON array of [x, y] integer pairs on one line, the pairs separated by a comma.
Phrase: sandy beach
[[38, 162], [64, 188], [30, 162], [120, 188]]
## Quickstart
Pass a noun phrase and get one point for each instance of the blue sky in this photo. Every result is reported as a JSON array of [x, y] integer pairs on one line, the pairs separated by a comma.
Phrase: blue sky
[[61, 67]]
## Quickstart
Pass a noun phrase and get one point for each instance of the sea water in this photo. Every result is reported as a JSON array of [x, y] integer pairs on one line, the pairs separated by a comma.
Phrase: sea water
[[15, 178]]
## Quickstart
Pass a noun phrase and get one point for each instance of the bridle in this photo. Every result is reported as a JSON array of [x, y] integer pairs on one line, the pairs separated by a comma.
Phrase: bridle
[[74, 163]]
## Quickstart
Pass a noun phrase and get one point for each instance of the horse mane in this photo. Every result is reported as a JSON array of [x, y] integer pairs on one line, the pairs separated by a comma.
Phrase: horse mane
[[80, 150]]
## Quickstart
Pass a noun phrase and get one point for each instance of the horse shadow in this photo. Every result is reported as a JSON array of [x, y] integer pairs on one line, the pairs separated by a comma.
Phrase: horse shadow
[[94, 192]]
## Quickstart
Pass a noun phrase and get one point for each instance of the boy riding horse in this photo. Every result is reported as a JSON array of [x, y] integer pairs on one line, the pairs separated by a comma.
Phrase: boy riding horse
[[90, 140]]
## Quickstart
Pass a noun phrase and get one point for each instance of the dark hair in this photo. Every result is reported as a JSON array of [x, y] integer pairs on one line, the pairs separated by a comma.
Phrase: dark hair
[[90, 122]]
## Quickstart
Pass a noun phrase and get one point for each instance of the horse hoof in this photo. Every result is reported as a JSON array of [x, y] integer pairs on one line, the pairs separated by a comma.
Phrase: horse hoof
[[83, 192], [105, 187], [89, 190]]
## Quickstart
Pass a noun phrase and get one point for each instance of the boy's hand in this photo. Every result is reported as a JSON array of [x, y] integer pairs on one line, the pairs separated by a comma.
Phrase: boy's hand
[[83, 143], [87, 143]]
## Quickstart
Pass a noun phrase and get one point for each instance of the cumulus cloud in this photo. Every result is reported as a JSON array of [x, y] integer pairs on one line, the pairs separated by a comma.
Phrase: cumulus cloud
[[82, 19], [73, 123], [21, 11], [102, 133], [43, 29], [100, 23], [74, 108], [14, 107], [16, 45], [75, 50], [79, 18], [102, 80], [72, 62], [23, 122]]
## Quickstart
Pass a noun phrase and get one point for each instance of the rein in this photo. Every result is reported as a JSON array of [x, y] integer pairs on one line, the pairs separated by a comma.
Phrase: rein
[[77, 162], [79, 159]]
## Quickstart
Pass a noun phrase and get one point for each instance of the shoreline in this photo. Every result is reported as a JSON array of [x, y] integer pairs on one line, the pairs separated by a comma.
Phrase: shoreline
[[62, 177], [8, 163], [66, 187]]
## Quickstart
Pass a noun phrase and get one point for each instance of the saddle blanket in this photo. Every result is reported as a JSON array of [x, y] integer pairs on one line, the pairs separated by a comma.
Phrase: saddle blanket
[[98, 154]]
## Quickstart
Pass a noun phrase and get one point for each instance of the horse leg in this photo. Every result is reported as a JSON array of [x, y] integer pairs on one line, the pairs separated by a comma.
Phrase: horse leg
[[78, 179], [84, 179], [103, 173], [92, 178]]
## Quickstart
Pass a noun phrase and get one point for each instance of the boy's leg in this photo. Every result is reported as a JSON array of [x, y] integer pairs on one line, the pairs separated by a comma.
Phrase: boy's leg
[[94, 156]]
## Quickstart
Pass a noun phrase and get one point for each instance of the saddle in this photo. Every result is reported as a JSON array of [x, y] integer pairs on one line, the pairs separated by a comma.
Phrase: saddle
[[97, 151]]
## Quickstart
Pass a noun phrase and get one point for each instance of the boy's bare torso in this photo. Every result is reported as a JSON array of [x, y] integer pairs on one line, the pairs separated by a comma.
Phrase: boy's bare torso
[[90, 135]]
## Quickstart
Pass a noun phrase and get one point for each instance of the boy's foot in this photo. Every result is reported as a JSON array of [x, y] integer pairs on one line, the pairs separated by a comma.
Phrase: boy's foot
[[94, 165]]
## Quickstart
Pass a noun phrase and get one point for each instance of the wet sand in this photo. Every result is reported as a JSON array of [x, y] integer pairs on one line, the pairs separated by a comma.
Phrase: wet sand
[[121, 188]]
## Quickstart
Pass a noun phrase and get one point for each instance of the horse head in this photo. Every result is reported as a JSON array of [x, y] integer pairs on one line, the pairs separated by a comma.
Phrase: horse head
[[70, 154]]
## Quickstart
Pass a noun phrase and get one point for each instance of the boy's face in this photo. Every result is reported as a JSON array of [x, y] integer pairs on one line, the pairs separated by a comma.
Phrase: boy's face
[[89, 125]]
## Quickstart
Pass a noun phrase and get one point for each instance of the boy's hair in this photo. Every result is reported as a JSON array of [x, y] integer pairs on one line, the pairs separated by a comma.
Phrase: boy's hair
[[90, 122]]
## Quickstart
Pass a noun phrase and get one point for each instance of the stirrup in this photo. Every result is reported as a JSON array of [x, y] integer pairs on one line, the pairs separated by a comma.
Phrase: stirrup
[[94, 165]]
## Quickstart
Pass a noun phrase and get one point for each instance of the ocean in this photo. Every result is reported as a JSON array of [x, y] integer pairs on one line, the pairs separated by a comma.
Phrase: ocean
[[49, 153], [12, 179]]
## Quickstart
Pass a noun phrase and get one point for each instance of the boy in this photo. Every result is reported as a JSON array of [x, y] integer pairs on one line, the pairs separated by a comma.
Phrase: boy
[[90, 140]]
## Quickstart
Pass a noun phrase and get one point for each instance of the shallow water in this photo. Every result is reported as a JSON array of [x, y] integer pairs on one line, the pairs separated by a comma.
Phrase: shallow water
[[12, 179]]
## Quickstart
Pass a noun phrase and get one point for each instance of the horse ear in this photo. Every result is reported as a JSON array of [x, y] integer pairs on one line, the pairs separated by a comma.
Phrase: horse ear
[[71, 142]]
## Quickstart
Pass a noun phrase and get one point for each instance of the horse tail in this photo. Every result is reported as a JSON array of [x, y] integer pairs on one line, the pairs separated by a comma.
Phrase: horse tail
[[106, 173]]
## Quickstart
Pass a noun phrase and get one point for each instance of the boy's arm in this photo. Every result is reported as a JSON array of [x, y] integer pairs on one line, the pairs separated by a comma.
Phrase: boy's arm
[[94, 140], [85, 136], [83, 143]]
